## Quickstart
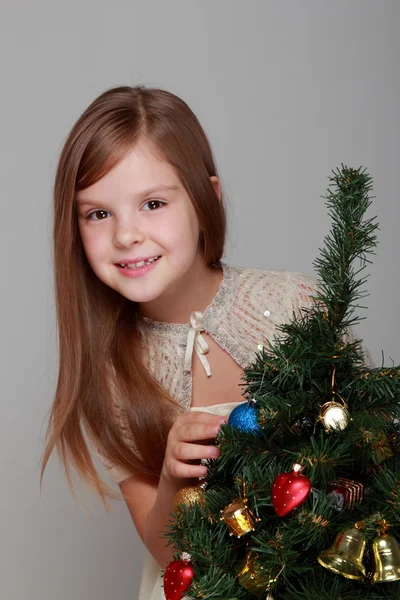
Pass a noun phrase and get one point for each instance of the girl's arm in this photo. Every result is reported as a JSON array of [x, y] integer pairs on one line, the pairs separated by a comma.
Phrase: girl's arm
[[150, 503]]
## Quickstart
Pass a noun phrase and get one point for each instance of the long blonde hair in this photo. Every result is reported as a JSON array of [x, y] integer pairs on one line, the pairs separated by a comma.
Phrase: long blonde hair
[[96, 325]]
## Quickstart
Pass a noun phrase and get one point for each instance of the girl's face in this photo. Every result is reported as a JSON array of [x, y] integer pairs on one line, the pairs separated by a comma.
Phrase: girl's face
[[138, 211]]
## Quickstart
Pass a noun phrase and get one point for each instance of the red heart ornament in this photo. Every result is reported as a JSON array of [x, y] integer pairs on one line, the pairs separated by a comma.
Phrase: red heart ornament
[[289, 490], [177, 578]]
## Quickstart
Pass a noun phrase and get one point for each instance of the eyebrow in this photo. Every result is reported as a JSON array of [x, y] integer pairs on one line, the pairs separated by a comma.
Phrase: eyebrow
[[143, 193]]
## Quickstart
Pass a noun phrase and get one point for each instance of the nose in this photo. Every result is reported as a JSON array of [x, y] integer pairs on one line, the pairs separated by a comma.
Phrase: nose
[[127, 235]]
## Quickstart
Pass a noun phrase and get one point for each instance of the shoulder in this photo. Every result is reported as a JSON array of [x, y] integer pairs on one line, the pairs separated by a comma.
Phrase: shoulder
[[264, 300], [274, 279], [282, 290]]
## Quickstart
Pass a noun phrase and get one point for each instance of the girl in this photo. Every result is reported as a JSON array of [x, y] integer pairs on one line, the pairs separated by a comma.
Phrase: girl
[[154, 329]]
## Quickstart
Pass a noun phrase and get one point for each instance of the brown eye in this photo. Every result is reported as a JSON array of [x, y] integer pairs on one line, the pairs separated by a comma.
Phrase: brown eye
[[154, 204], [98, 212]]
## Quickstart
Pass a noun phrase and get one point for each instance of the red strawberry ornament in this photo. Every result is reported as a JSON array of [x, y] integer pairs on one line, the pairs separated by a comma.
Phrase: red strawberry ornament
[[289, 491], [177, 578]]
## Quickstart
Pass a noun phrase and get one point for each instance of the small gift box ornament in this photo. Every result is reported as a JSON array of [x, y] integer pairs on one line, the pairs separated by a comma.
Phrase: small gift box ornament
[[351, 491]]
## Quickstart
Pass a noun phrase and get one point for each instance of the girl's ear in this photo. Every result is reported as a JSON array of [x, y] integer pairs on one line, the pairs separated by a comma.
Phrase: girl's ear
[[216, 185]]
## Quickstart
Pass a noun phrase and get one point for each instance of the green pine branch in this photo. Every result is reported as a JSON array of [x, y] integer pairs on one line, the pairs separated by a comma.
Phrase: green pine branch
[[291, 377]]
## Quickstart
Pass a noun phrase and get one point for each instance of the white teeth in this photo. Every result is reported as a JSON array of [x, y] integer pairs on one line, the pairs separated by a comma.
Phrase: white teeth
[[139, 264]]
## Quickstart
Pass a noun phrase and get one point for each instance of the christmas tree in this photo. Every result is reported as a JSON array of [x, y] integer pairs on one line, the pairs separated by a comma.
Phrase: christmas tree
[[303, 502]]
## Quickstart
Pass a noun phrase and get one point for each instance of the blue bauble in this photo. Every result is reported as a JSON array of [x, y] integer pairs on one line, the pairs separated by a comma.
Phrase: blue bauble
[[244, 417]]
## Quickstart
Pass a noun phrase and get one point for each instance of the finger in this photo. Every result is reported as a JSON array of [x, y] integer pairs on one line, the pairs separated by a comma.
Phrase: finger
[[199, 417], [192, 432], [182, 470], [183, 451]]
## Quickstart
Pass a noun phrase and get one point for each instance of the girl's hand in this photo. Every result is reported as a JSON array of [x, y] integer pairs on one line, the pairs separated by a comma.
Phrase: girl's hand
[[184, 444]]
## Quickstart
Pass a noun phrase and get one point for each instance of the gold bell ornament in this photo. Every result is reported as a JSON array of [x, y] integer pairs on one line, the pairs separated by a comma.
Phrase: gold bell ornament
[[239, 517], [345, 555], [386, 554]]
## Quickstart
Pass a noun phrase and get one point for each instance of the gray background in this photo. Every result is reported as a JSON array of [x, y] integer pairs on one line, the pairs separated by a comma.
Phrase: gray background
[[286, 92]]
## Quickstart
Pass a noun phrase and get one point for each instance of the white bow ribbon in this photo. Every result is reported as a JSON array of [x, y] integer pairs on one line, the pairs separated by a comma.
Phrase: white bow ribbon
[[196, 341]]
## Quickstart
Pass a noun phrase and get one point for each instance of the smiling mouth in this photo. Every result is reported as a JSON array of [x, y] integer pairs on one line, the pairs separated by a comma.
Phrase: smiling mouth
[[140, 264]]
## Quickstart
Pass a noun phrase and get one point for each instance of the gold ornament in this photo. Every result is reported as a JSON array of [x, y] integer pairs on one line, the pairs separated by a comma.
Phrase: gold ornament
[[386, 554], [345, 555], [248, 577], [239, 517], [189, 495], [333, 415], [382, 449]]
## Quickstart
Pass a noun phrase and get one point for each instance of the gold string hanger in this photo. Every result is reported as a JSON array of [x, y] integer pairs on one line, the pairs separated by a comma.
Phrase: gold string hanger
[[333, 415]]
